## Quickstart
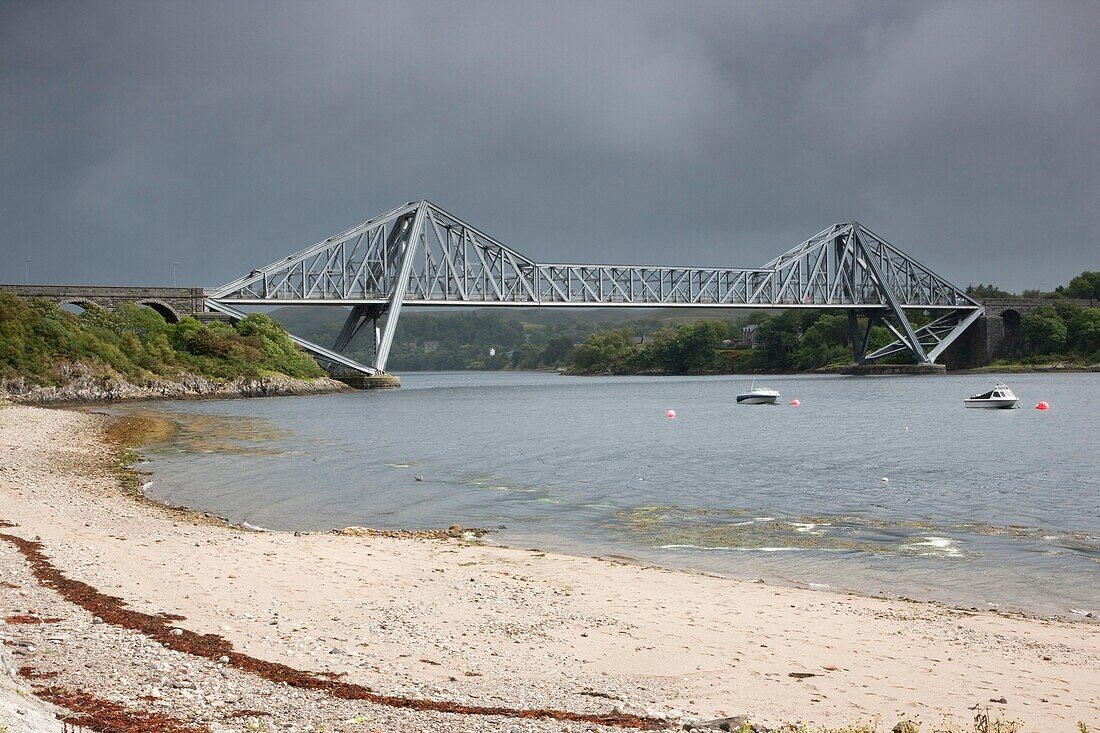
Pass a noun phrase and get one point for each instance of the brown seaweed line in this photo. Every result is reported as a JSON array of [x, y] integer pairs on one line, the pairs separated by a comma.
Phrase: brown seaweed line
[[106, 716], [33, 674], [212, 646]]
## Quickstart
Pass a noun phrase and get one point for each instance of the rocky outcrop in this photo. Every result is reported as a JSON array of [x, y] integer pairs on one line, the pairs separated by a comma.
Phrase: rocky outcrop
[[81, 385]]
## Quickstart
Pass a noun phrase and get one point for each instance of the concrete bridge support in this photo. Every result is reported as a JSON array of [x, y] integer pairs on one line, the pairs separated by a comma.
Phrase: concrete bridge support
[[172, 303]]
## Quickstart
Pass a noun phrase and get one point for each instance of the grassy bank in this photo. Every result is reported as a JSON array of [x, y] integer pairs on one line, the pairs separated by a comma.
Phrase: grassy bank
[[48, 355], [41, 344]]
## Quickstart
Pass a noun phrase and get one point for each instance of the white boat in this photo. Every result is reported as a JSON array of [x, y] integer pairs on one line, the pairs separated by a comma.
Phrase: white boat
[[758, 396], [998, 398]]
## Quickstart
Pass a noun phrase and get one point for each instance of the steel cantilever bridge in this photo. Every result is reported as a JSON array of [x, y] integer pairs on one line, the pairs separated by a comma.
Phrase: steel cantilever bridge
[[420, 255]]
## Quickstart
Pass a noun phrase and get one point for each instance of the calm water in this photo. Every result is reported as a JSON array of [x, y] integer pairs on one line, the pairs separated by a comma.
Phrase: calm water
[[981, 508]]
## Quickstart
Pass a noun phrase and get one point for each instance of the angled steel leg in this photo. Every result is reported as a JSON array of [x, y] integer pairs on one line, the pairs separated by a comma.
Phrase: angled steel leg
[[406, 251], [934, 336], [327, 356], [912, 342], [358, 318], [963, 319]]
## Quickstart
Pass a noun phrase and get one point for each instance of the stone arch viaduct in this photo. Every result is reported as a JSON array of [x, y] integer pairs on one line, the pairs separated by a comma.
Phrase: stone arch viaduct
[[997, 334], [172, 303]]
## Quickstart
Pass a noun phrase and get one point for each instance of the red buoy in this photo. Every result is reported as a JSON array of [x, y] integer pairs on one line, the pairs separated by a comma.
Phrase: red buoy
[[1042, 406], [795, 402], [670, 414]]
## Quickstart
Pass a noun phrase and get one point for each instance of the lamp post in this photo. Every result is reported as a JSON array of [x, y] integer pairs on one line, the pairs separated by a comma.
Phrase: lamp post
[[174, 273], [27, 276]]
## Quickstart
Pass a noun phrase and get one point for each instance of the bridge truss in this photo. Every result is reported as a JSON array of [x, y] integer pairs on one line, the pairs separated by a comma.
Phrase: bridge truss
[[420, 255]]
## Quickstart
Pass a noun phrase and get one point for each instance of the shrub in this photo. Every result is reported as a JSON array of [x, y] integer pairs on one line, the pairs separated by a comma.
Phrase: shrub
[[37, 337]]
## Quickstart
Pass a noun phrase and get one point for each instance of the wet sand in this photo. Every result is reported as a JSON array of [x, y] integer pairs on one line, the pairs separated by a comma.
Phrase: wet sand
[[478, 625]]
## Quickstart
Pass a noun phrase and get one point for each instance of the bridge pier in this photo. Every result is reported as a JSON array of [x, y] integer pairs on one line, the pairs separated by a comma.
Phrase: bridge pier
[[367, 381]]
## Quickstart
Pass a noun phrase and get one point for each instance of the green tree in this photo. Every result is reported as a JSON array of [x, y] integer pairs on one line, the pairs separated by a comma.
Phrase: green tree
[[1085, 285], [275, 343], [693, 348], [824, 342], [1084, 331], [777, 339], [142, 321], [556, 351], [610, 351], [981, 292], [1044, 332]]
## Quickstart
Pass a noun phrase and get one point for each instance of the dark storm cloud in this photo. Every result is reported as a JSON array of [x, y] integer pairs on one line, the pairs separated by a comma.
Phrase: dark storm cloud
[[226, 135]]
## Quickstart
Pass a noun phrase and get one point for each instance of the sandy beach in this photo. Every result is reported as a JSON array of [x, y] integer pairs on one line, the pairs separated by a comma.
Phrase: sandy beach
[[463, 622]]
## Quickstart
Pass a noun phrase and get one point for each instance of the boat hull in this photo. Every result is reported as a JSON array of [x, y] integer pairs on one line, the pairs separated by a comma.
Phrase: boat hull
[[1001, 404], [756, 399]]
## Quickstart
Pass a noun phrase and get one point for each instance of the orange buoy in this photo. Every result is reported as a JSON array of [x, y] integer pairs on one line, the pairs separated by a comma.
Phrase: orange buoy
[[670, 414], [1042, 406], [795, 403]]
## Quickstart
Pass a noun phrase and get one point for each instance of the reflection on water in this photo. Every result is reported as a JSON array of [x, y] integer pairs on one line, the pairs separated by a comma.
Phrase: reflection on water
[[193, 433], [981, 507]]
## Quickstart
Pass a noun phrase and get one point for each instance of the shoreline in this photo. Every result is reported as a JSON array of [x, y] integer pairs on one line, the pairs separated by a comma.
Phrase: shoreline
[[490, 626], [88, 391]]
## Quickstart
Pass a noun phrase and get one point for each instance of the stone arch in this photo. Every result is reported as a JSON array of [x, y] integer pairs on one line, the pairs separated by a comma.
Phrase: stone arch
[[82, 303], [1013, 340], [166, 311]]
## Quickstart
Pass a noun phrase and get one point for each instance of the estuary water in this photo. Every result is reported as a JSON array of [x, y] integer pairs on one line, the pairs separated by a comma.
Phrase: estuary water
[[884, 485]]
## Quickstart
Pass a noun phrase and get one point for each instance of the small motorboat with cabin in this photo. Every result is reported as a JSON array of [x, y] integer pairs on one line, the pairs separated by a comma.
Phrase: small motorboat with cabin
[[998, 398], [758, 396]]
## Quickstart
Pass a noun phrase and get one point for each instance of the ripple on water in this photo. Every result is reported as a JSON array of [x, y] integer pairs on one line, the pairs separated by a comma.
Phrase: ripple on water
[[671, 527]]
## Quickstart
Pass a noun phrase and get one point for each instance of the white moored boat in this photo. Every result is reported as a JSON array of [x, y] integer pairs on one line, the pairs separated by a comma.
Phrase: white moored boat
[[998, 398], [758, 396]]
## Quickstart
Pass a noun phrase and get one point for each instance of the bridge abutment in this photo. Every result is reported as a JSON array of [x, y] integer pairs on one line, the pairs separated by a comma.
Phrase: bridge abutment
[[999, 333]]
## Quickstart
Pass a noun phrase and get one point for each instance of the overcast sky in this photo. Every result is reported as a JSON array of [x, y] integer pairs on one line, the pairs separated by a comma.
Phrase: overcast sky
[[226, 135]]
